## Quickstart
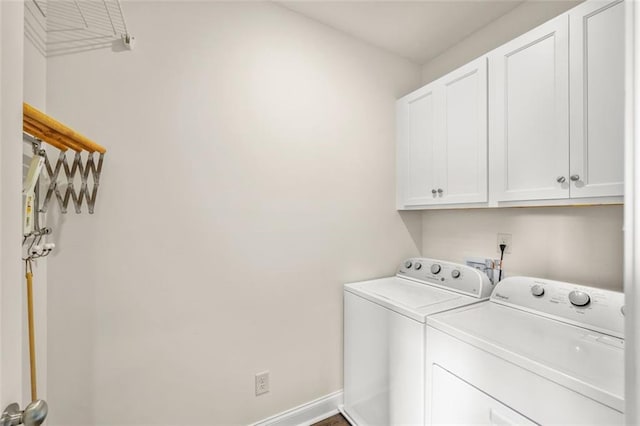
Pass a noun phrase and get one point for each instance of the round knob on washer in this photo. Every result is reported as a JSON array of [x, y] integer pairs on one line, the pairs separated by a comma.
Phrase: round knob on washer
[[579, 298], [418, 265], [435, 268], [455, 274], [537, 290], [408, 264]]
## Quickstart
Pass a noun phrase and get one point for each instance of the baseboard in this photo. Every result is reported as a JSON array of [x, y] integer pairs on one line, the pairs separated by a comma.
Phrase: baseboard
[[307, 413], [346, 415]]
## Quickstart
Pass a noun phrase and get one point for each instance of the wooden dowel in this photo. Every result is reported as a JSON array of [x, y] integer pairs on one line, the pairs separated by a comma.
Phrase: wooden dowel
[[49, 135], [60, 128], [32, 336], [38, 134], [48, 124]]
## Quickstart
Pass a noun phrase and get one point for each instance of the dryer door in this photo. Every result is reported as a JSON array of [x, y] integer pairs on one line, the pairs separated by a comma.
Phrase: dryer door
[[477, 408]]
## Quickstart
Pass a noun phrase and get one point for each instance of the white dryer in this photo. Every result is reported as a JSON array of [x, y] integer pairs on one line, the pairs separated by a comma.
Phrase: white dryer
[[539, 352], [384, 337]]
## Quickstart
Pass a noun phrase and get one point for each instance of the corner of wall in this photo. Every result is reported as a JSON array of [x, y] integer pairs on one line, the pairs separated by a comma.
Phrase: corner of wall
[[510, 25], [35, 93]]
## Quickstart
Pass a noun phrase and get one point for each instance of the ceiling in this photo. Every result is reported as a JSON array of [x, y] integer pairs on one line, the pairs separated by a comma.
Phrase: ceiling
[[416, 30]]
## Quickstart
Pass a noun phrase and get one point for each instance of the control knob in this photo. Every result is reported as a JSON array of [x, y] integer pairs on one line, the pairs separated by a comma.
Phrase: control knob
[[455, 274], [435, 268], [579, 298], [418, 265], [537, 290], [408, 264]]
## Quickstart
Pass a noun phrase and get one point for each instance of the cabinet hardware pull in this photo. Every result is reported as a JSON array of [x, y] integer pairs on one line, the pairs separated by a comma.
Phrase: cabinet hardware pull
[[561, 179], [575, 178]]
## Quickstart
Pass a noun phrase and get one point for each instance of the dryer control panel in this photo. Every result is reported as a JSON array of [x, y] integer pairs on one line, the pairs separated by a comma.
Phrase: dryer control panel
[[451, 276], [593, 308]]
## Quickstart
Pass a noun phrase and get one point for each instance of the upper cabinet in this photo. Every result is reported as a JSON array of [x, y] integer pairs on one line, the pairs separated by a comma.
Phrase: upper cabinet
[[416, 140], [597, 99], [442, 140], [544, 144], [462, 160], [555, 120], [529, 114]]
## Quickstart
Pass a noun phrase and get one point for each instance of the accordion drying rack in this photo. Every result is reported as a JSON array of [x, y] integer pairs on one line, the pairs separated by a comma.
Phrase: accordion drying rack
[[39, 127], [86, 167]]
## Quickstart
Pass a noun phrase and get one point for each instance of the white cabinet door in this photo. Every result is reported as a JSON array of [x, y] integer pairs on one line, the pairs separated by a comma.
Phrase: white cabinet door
[[597, 50], [529, 117], [442, 140], [462, 156], [416, 123]]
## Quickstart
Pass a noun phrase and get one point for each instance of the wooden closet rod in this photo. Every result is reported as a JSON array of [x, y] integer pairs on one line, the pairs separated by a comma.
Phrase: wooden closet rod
[[55, 133]]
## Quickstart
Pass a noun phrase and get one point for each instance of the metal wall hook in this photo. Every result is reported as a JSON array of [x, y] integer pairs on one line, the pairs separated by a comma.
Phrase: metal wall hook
[[128, 40], [34, 249], [33, 415]]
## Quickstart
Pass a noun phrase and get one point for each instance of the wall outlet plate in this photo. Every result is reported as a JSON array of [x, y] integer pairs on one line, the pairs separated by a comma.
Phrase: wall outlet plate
[[504, 239], [262, 383]]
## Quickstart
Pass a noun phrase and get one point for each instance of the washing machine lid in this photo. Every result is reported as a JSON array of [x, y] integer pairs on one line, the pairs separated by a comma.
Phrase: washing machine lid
[[586, 361], [410, 298]]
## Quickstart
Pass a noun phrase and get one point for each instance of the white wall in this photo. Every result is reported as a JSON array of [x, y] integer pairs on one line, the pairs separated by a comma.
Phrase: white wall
[[575, 244], [11, 276], [35, 62], [249, 174], [584, 245], [35, 76], [518, 21]]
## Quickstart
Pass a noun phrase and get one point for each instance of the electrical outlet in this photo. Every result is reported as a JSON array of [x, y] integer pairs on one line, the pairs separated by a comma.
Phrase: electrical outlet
[[504, 239], [262, 383]]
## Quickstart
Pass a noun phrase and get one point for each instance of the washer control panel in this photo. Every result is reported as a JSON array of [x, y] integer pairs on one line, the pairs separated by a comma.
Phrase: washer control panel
[[589, 307], [452, 276]]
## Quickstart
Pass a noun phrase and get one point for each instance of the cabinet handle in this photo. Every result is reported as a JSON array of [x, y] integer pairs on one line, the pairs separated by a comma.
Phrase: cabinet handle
[[433, 191], [575, 178], [440, 191], [561, 179]]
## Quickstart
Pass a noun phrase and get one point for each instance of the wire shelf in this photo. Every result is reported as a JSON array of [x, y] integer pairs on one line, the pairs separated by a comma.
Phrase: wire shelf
[[59, 27]]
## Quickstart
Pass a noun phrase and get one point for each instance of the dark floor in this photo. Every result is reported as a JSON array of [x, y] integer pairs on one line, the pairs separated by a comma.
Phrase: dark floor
[[336, 420]]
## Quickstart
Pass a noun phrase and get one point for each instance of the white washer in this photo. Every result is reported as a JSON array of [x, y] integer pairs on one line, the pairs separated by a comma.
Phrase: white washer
[[539, 352], [384, 337]]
